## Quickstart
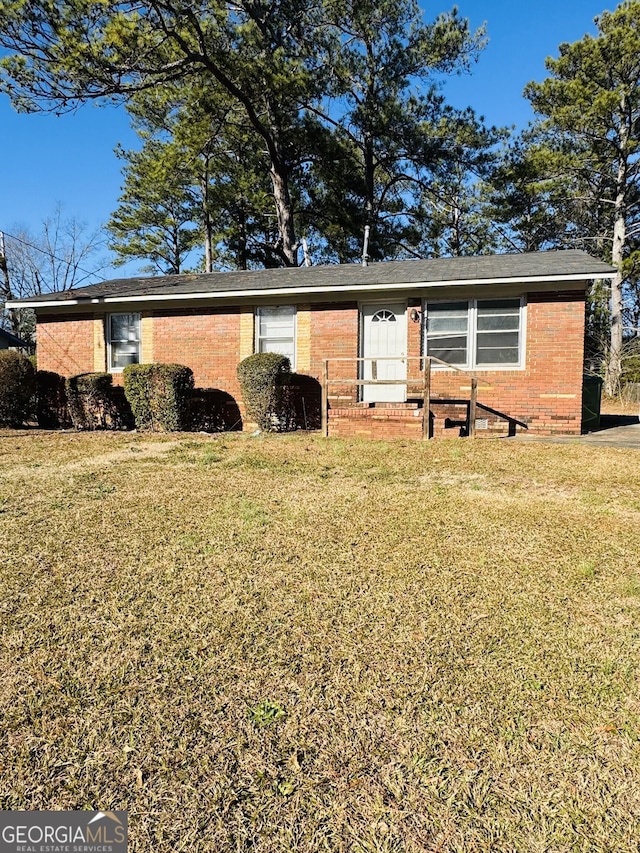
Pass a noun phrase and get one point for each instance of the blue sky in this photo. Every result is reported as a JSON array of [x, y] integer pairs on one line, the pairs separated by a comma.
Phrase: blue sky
[[70, 160]]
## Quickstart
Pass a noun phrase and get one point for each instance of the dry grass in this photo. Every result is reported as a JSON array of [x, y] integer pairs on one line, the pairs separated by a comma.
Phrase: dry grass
[[618, 406], [284, 643]]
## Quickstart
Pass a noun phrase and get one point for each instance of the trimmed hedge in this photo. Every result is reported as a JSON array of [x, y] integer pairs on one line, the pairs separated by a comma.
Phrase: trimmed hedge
[[51, 400], [17, 388], [159, 395], [95, 404], [263, 378], [137, 390]]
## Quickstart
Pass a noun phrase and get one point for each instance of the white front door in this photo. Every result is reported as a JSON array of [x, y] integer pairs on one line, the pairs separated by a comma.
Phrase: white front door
[[384, 337]]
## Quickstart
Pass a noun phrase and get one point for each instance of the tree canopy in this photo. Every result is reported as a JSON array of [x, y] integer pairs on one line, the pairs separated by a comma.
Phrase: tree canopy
[[262, 123], [306, 76], [589, 110]]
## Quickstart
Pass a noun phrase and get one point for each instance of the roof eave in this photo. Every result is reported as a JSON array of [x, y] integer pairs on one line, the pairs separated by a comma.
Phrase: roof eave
[[301, 291]]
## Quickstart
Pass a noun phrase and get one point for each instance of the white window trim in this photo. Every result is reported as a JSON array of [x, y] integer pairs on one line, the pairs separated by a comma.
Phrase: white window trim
[[257, 336], [472, 314], [111, 369]]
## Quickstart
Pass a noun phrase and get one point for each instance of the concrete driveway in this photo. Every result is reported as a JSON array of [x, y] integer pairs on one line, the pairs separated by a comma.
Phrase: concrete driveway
[[615, 431]]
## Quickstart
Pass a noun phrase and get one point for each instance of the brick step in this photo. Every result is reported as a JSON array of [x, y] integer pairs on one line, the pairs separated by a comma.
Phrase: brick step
[[375, 414], [404, 420], [409, 405]]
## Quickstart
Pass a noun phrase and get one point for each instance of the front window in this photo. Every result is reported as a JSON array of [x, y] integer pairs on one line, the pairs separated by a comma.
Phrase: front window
[[123, 333], [276, 331], [498, 331], [475, 333], [448, 331]]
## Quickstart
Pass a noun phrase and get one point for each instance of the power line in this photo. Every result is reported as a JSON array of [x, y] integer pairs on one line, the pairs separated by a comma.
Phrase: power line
[[56, 258]]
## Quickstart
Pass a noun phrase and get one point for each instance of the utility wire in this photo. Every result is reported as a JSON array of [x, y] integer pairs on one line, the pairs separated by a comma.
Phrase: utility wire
[[55, 257]]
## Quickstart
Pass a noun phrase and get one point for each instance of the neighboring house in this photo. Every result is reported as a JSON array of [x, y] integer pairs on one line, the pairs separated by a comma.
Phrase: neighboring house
[[9, 341], [515, 322]]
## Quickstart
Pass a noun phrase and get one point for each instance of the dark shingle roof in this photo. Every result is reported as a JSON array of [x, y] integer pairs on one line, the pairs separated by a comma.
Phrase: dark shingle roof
[[11, 340], [566, 264]]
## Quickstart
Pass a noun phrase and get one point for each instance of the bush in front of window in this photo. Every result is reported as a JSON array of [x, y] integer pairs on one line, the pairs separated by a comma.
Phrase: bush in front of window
[[159, 395], [51, 400], [94, 403], [17, 388], [263, 378]]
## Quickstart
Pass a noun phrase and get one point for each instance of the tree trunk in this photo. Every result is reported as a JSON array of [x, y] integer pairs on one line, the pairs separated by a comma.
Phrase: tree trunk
[[243, 253], [206, 218], [457, 241], [208, 254], [284, 212], [5, 288], [614, 361], [177, 255], [4, 268], [369, 181]]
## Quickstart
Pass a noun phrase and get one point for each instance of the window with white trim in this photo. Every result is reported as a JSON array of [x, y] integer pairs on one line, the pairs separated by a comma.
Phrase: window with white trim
[[475, 333], [123, 340], [276, 331], [447, 331]]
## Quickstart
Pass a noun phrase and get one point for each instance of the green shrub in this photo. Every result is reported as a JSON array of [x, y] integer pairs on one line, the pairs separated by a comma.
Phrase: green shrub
[[137, 390], [95, 404], [263, 378], [17, 388], [51, 400], [159, 395]]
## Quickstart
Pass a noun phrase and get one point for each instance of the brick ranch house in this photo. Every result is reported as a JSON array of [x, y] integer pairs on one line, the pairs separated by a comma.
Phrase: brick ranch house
[[510, 327]]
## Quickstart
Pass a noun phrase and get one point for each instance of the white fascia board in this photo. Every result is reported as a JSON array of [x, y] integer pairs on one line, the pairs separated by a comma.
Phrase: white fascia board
[[16, 303], [296, 291]]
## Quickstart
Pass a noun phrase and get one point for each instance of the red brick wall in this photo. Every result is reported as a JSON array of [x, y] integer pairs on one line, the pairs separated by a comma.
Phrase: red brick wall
[[546, 394], [65, 346], [206, 340], [335, 334]]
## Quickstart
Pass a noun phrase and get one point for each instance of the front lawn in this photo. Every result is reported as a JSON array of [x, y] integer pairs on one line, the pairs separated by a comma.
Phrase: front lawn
[[294, 644]]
